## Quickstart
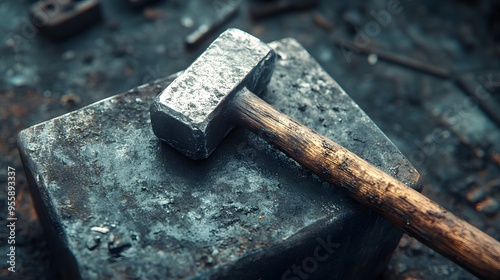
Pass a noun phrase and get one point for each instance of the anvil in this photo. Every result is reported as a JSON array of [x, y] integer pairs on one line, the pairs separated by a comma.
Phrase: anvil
[[115, 202]]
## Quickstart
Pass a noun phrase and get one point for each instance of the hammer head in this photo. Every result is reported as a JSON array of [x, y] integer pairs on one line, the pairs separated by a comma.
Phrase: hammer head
[[189, 113]]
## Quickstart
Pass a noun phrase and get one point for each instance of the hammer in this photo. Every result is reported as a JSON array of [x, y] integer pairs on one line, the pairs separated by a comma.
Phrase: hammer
[[219, 91]]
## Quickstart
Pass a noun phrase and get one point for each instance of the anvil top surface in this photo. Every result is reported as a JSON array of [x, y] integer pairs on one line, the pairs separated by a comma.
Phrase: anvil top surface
[[101, 168]]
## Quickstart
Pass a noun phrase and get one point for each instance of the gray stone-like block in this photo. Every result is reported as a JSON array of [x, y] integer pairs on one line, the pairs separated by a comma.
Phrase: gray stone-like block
[[118, 203]]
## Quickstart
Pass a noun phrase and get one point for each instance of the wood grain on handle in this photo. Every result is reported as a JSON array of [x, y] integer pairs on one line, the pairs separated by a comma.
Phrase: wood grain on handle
[[411, 211]]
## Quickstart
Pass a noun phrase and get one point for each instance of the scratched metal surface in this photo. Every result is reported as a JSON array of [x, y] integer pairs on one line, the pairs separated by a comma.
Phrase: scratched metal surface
[[246, 212], [188, 114]]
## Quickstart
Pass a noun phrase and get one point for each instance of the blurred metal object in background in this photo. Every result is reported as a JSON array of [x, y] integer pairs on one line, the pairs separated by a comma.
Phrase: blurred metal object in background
[[60, 19], [224, 15]]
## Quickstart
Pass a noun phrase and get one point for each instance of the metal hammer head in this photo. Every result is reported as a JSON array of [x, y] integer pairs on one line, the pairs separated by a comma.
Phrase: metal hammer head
[[189, 113]]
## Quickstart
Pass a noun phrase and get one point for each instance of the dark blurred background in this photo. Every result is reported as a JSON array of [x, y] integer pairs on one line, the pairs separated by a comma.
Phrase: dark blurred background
[[427, 72]]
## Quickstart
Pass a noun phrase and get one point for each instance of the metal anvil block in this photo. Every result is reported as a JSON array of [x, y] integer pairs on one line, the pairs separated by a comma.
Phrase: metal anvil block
[[117, 203]]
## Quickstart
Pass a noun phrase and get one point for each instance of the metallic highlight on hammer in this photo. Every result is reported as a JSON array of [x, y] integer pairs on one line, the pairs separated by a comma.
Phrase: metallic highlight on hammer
[[189, 113]]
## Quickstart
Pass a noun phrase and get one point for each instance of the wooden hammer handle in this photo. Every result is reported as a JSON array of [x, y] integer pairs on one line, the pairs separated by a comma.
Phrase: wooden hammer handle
[[411, 211]]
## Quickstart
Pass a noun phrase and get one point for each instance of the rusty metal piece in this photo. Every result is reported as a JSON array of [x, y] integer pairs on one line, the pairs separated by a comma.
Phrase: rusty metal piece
[[275, 8], [60, 19]]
